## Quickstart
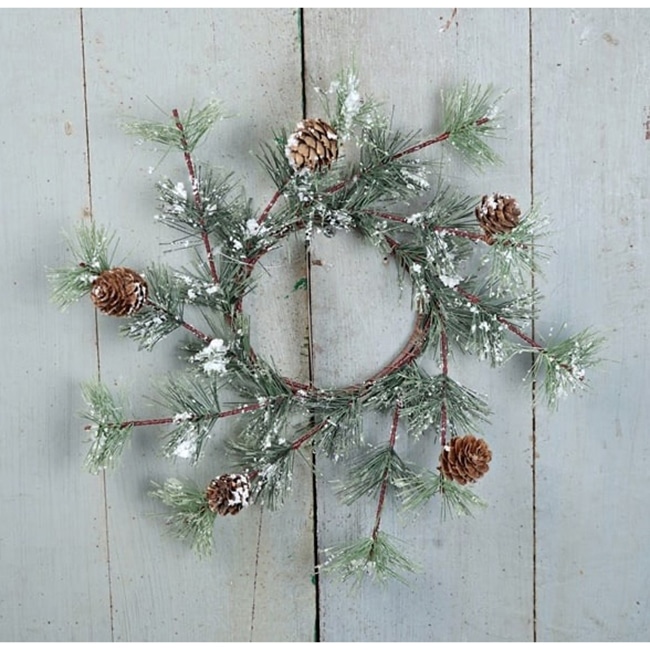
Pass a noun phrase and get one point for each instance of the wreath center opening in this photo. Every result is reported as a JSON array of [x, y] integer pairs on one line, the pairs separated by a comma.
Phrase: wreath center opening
[[353, 308]]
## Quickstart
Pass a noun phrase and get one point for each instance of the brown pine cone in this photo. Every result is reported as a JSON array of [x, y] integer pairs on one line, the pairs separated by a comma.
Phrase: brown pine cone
[[465, 459], [497, 213], [228, 494], [312, 146], [119, 291]]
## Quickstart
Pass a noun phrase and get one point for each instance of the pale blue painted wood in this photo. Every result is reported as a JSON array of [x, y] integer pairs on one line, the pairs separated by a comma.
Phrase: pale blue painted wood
[[477, 578], [257, 585], [53, 582], [590, 118], [592, 156]]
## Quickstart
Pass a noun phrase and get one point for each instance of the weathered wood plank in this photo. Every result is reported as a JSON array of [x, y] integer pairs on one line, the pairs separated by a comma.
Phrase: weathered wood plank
[[257, 585], [591, 156], [477, 580], [53, 584]]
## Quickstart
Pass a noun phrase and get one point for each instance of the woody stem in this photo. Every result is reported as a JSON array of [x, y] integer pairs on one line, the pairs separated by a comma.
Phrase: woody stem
[[191, 170], [384, 482], [171, 420]]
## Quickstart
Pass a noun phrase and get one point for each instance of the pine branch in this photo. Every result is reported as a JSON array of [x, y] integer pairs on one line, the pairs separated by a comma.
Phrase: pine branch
[[372, 471], [479, 321], [93, 249], [342, 430], [388, 473], [377, 558], [344, 106], [444, 355], [468, 119], [196, 124], [109, 431], [194, 181], [416, 491], [191, 519], [195, 405], [423, 398], [163, 311], [514, 256], [563, 365]]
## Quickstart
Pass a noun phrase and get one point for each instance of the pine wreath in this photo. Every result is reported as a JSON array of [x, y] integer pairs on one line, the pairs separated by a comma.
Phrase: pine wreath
[[469, 261]]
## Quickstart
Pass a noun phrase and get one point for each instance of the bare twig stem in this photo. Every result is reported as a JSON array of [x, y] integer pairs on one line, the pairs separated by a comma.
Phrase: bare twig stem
[[305, 437], [270, 204]]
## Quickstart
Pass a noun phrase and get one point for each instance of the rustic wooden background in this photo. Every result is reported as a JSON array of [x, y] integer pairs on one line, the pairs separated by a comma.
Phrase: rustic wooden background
[[561, 552]]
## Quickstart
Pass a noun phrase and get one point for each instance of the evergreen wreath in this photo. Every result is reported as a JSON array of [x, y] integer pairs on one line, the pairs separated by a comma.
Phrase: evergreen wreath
[[469, 261]]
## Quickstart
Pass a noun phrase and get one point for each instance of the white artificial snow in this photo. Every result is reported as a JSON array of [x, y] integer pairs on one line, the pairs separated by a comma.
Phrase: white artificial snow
[[416, 180], [180, 191], [252, 227], [213, 357], [182, 417], [185, 449], [450, 281]]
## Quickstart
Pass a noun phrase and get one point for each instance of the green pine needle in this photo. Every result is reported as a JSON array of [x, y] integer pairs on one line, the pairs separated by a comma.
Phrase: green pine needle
[[469, 296], [93, 250], [196, 123], [463, 110], [110, 433], [416, 491], [191, 519], [377, 558], [163, 312], [368, 471], [515, 256], [563, 365], [347, 111], [194, 404]]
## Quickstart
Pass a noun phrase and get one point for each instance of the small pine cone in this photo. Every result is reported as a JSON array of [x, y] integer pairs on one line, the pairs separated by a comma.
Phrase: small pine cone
[[312, 146], [228, 494], [497, 213], [119, 292], [465, 459]]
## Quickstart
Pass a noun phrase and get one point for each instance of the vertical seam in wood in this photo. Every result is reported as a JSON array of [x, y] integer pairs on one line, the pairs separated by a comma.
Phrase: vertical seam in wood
[[96, 320], [533, 383], [257, 565], [310, 342]]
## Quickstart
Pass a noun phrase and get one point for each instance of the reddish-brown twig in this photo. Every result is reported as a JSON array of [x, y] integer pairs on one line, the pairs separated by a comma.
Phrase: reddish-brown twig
[[384, 481], [444, 354], [191, 170], [456, 232], [189, 327], [247, 408]]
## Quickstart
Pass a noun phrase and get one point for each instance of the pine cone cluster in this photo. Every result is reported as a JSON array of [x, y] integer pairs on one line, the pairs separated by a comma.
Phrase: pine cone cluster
[[312, 146], [497, 213], [119, 292], [228, 494], [465, 459]]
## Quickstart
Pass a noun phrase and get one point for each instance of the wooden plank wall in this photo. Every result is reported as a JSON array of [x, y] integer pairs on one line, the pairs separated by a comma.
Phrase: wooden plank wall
[[560, 553]]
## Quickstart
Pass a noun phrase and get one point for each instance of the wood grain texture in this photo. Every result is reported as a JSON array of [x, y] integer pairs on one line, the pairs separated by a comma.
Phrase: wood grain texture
[[592, 155], [85, 558], [52, 533], [405, 57]]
